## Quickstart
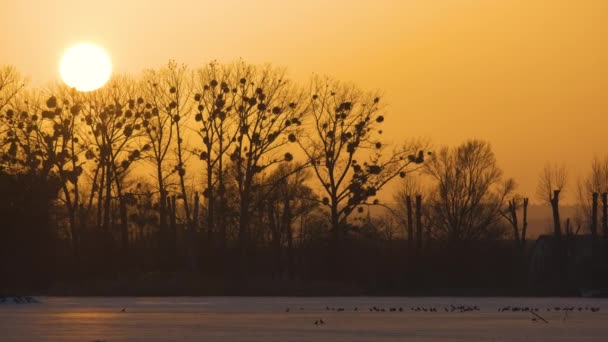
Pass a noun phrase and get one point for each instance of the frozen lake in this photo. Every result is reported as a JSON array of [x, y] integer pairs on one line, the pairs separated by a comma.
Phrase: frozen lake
[[266, 319]]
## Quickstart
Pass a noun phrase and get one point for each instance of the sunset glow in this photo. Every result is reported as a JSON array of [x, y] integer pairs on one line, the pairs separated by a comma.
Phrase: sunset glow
[[85, 67]]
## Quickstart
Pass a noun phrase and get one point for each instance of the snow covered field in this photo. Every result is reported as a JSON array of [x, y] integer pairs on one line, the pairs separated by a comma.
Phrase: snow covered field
[[266, 319]]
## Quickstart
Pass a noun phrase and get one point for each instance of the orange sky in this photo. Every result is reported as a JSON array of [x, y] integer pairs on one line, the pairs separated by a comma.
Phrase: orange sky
[[531, 76]]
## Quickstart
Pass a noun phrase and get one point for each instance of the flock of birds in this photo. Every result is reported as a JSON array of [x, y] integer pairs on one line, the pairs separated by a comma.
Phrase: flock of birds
[[461, 309], [556, 308], [17, 300]]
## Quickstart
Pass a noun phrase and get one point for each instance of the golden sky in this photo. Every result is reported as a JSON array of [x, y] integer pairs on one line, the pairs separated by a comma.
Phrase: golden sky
[[531, 76]]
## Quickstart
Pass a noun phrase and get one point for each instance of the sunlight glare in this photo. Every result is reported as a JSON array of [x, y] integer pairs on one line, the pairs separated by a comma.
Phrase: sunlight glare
[[86, 67]]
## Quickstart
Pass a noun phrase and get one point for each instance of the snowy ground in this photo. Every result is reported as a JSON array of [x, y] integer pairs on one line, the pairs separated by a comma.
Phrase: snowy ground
[[266, 319]]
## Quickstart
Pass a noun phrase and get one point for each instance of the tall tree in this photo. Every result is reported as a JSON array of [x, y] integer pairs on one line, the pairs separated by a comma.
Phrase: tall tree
[[217, 128], [113, 117], [269, 111], [345, 130], [469, 192], [11, 83], [167, 89]]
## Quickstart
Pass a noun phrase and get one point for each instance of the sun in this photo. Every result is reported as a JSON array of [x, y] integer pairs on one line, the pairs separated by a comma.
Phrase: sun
[[85, 66]]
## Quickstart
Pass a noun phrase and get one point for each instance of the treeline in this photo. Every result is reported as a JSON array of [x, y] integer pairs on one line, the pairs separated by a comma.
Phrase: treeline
[[235, 174]]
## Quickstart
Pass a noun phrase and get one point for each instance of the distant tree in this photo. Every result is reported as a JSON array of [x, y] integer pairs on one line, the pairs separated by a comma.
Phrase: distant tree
[[11, 83], [345, 129], [287, 198], [551, 184], [592, 186], [404, 199], [510, 213], [469, 192]]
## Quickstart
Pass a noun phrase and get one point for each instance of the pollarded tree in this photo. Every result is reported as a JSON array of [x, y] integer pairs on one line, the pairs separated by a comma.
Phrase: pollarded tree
[[411, 190], [591, 189], [551, 184], [468, 194], [510, 213], [345, 130]]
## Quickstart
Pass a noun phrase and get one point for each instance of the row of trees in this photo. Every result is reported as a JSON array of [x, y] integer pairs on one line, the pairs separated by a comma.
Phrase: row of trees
[[205, 169], [226, 150]]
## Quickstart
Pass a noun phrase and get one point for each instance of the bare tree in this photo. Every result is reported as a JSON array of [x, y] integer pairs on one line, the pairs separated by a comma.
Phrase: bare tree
[[113, 117], [268, 113], [510, 213], [469, 192], [410, 188], [169, 90], [217, 115], [551, 184], [588, 191], [11, 84], [287, 198], [345, 128], [159, 85]]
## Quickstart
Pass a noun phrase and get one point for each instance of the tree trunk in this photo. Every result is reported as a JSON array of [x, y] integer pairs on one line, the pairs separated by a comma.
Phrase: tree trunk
[[192, 254], [173, 227], [287, 229], [557, 231], [514, 220], [164, 243], [605, 214], [108, 198], [275, 231], [594, 215], [524, 227], [210, 201], [410, 222], [418, 221]]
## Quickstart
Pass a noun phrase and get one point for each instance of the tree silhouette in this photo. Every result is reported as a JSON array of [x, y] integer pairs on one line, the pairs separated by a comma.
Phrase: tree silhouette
[[268, 113], [595, 182], [159, 144], [172, 90], [345, 129], [551, 184], [11, 84], [286, 198], [113, 117], [469, 192], [404, 197], [217, 122], [510, 213]]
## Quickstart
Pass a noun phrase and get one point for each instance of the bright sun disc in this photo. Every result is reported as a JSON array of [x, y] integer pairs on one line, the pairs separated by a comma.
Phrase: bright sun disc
[[85, 67]]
